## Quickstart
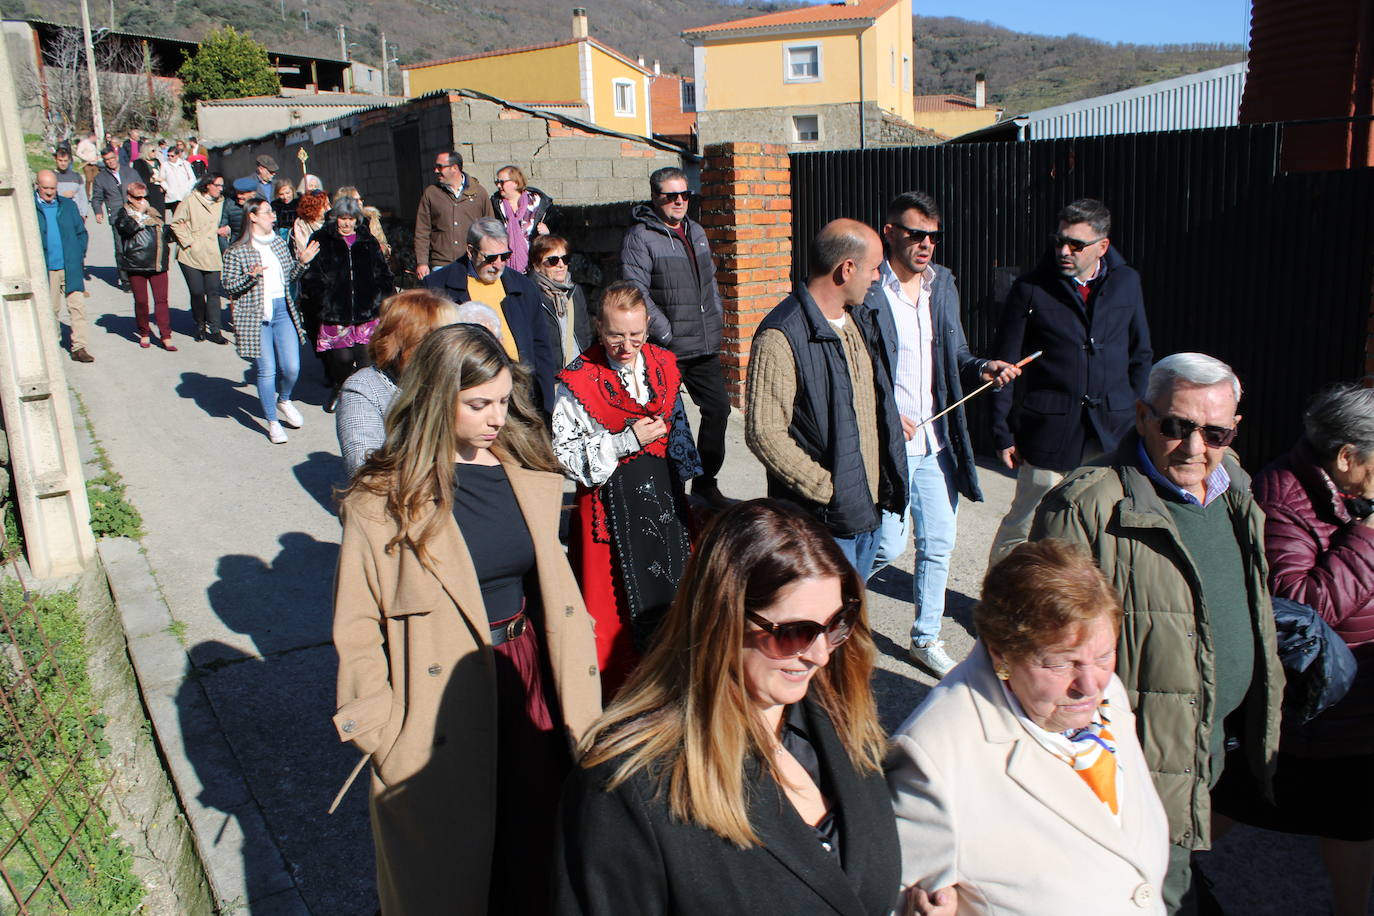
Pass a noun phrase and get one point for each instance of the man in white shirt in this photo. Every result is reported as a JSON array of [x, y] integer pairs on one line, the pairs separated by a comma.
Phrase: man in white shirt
[[918, 316]]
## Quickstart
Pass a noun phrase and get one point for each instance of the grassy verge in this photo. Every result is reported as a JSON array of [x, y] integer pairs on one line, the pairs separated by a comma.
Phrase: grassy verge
[[112, 515], [68, 859], [40, 157]]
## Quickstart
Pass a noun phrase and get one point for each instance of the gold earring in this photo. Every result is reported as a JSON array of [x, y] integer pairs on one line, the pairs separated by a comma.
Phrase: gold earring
[[1003, 674]]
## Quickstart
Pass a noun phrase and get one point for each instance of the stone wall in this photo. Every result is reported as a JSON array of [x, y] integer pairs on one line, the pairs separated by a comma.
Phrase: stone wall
[[747, 211]]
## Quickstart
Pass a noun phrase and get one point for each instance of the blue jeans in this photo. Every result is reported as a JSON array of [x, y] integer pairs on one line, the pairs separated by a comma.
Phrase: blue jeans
[[933, 506], [861, 548], [281, 354]]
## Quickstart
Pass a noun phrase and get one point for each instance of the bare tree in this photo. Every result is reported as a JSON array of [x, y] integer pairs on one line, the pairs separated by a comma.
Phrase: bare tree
[[124, 93]]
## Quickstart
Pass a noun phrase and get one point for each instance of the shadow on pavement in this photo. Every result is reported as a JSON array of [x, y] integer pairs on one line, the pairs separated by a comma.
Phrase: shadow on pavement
[[222, 397], [318, 475], [107, 275]]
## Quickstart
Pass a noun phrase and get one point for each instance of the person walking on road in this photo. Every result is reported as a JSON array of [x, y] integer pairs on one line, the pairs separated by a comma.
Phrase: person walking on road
[[258, 270], [108, 195], [196, 225], [64, 252], [144, 252], [448, 208]]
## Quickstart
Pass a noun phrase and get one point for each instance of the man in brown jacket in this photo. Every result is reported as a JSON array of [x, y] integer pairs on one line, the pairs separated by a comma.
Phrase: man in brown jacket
[[447, 208]]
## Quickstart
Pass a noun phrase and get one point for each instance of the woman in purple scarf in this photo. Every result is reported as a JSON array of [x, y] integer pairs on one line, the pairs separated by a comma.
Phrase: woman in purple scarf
[[522, 209]]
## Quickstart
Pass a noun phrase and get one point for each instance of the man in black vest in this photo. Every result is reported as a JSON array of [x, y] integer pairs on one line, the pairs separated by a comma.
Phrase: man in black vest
[[1083, 307], [821, 414]]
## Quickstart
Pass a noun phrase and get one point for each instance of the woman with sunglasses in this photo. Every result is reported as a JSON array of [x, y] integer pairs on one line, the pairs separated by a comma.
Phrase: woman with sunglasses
[[467, 665], [1019, 779], [620, 431], [740, 770], [565, 305], [522, 209], [145, 252]]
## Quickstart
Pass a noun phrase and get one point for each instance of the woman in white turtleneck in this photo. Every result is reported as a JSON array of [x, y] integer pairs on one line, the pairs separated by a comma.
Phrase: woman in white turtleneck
[[268, 331]]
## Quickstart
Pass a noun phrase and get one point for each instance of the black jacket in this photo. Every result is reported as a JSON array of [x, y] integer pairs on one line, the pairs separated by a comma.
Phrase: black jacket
[[541, 209], [953, 367], [581, 321], [685, 313], [141, 249], [346, 285], [824, 424], [524, 311], [622, 851], [1095, 364], [157, 197], [231, 215]]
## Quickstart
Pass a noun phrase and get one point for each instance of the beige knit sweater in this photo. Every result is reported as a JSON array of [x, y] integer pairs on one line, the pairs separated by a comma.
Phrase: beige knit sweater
[[771, 392]]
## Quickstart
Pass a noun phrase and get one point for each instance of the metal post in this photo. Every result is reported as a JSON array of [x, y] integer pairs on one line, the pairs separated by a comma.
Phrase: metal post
[[386, 85], [33, 389], [97, 116], [343, 43]]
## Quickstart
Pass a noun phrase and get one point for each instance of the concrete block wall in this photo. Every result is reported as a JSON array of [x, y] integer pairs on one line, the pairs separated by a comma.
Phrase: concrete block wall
[[746, 205]]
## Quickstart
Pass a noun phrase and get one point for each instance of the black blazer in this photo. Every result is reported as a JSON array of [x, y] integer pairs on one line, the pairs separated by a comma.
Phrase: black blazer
[[1096, 363], [524, 318], [621, 852]]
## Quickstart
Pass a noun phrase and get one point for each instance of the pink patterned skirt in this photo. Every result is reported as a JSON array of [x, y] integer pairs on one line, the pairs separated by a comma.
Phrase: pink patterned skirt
[[338, 336]]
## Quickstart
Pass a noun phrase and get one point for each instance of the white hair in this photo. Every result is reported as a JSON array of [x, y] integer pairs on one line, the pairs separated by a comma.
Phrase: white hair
[[1194, 369], [477, 313]]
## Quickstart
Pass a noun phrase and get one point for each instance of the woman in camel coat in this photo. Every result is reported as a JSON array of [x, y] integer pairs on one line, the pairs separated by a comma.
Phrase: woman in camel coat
[[467, 713]]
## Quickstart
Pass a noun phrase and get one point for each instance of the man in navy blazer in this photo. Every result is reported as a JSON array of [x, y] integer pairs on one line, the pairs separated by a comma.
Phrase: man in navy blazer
[[927, 356], [1083, 307], [482, 276]]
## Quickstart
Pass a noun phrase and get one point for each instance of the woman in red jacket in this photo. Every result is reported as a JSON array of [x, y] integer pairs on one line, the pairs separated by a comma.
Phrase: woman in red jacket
[[1319, 540]]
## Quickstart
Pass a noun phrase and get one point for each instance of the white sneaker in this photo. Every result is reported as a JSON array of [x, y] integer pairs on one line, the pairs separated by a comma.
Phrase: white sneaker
[[932, 657], [289, 414], [275, 433]]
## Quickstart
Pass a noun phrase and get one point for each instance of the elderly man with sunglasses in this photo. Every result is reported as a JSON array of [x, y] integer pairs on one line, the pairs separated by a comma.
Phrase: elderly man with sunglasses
[[1083, 307], [1169, 517], [483, 275]]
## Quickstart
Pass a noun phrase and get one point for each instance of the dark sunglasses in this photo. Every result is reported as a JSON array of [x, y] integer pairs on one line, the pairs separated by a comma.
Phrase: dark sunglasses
[[1179, 428], [554, 260], [788, 640], [920, 235], [492, 258], [671, 196], [1058, 241], [138, 196]]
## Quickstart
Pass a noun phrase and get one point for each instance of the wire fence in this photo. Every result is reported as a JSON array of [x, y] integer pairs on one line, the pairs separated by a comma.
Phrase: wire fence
[[58, 853]]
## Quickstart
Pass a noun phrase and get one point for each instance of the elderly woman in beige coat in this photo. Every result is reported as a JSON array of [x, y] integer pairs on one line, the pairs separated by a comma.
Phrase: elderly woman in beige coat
[[1020, 780], [467, 665]]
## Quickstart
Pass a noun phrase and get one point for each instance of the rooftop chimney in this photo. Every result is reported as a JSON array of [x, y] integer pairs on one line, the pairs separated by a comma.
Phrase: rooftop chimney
[[658, 71], [640, 60], [980, 90], [579, 22]]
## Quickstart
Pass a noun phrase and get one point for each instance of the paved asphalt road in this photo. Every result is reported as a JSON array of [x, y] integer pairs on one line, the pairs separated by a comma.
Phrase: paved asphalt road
[[242, 540]]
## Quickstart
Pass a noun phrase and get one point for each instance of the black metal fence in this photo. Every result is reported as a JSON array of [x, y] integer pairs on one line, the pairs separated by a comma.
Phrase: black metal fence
[[1270, 271]]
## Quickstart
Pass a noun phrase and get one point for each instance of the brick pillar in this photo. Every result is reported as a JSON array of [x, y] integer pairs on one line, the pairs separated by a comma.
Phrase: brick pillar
[[746, 207]]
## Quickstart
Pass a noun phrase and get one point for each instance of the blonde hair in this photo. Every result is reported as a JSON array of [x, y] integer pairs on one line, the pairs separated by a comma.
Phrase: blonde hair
[[414, 467], [686, 717]]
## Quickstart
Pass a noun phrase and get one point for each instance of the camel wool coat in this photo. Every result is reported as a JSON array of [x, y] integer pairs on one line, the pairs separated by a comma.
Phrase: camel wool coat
[[417, 690]]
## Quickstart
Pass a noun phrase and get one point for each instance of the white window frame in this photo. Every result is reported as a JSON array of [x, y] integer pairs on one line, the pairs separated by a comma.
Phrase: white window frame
[[629, 87], [797, 132], [787, 50]]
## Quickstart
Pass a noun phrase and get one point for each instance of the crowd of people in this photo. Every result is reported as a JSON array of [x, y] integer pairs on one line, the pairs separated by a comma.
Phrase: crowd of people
[[674, 714]]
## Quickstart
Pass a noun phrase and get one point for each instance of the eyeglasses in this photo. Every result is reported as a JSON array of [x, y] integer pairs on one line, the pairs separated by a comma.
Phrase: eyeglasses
[[675, 196], [634, 340], [501, 181], [1058, 241], [138, 196], [920, 235], [440, 166], [554, 260], [493, 258], [1179, 428], [788, 640]]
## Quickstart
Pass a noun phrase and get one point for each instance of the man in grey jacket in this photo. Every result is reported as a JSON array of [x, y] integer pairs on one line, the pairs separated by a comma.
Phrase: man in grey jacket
[[107, 195], [667, 256]]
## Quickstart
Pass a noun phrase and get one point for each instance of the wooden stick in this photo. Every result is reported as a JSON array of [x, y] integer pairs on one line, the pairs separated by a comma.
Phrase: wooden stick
[[1020, 365]]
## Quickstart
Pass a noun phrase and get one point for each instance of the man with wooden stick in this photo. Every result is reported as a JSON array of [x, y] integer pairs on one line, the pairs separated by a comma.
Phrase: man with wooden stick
[[917, 308]]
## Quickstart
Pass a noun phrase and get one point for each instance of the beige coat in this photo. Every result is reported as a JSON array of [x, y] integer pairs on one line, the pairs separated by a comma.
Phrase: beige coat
[[417, 691], [195, 225], [980, 803]]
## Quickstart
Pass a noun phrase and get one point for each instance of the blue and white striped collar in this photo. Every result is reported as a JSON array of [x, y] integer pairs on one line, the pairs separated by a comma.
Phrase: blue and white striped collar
[[1217, 483]]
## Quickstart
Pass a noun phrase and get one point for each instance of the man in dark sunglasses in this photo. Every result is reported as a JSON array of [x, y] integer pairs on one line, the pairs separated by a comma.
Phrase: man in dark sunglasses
[[1082, 306], [665, 253], [1170, 519], [917, 309]]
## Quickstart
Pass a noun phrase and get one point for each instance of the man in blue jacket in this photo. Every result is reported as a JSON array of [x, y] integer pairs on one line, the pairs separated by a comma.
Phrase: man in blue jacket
[[481, 275], [1083, 307], [64, 250], [925, 352]]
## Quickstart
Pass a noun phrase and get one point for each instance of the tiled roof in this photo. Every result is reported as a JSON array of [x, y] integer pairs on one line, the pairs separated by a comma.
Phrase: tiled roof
[[810, 15], [521, 50], [944, 102], [306, 100]]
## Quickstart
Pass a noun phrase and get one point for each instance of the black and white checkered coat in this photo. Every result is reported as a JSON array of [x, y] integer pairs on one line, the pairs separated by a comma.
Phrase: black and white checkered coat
[[245, 292]]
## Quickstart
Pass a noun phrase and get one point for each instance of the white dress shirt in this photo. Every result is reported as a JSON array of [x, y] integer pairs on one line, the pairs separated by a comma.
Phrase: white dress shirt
[[914, 381], [588, 451]]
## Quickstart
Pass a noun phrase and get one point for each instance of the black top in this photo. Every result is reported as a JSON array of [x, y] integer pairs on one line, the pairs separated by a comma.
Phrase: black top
[[796, 738], [498, 540]]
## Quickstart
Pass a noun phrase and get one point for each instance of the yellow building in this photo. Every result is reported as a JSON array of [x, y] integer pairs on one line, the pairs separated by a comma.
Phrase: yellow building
[[599, 84], [821, 77], [955, 115]]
